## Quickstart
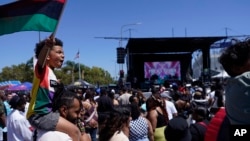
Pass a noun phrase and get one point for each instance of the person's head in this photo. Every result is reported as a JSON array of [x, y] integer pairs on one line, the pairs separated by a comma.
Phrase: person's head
[[175, 86], [139, 94], [55, 57], [111, 95], [133, 99], [162, 88], [199, 114], [9, 95], [152, 102], [18, 102], [103, 92], [235, 59], [27, 96], [177, 130], [156, 92], [182, 108], [69, 105], [124, 90], [2, 95], [116, 120], [79, 92], [104, 104], [197, 95], [90, 94], [135, 111]]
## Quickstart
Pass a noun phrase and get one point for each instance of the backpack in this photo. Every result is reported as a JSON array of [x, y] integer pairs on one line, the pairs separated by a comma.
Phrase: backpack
[[198, 130], [219, 127]]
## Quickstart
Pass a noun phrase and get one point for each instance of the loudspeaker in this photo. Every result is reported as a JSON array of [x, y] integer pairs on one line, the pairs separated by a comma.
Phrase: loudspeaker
[[120, 55]]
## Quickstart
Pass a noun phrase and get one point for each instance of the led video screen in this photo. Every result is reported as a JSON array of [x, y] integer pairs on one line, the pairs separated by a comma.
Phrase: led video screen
[[166, 70]]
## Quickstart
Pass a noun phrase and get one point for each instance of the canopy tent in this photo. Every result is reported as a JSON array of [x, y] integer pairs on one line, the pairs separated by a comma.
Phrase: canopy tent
[[222, 74], [25, 86], [10, 82], [6, 84], [82, 84], [5, 87]]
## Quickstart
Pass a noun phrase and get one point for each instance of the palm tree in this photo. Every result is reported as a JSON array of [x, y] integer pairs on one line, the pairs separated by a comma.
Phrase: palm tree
[[70, 66]]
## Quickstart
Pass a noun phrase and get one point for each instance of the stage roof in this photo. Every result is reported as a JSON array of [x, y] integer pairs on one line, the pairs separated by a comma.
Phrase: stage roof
[[170, 45]]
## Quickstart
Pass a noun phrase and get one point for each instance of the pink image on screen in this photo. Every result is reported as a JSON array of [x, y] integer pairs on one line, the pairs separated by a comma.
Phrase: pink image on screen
[[162, 69]]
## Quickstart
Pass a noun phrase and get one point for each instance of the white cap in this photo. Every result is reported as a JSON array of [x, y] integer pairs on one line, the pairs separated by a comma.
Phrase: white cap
[[199, 89], [166, 94]]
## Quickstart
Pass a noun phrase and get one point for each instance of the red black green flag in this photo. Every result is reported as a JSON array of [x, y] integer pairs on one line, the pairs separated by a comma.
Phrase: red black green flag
[[30, 15]]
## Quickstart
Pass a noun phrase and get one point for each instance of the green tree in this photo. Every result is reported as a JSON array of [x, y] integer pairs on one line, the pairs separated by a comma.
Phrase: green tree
[[29, 70], [67, 74], [19, 72]]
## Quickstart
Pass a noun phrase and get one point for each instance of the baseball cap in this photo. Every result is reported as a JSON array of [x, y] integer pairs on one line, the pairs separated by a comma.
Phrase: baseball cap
[[166, 94]]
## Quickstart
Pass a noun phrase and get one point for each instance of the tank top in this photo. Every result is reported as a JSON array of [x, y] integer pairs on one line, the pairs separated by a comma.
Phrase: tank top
[[161, 121]]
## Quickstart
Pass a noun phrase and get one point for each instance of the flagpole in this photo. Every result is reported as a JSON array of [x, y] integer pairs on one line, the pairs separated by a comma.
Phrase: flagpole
[[79, 69], [54, 33], [39, 36]]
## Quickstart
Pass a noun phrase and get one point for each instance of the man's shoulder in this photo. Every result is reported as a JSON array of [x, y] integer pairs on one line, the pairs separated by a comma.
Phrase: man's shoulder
[[127, 94], [54, 135]]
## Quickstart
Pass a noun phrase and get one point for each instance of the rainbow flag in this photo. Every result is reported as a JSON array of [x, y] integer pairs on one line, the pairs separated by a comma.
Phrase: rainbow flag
[[30, 15]]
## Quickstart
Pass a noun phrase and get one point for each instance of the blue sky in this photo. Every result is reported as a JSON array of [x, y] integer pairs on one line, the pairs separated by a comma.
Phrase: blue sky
[[83, 20]]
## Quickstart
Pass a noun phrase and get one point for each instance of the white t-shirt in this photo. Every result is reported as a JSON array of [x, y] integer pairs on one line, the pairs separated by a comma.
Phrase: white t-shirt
[[124, 99], [19, 129], [119, 137], [1, 134], [170, 109], [53, 136]]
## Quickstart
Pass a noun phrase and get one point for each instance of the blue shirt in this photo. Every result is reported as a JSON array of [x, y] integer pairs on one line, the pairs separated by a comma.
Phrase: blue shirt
[[237, 94]]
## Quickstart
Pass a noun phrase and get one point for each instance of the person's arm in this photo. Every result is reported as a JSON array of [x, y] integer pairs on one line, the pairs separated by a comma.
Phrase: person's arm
[[69, 128], [2, 114], [150, 131], [3, 120], [25, 129], [49, 43], [173, 110], [125, 128], [85, 137], [152, 117]]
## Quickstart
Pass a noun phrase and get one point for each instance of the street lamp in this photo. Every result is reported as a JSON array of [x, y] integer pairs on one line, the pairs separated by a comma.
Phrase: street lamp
[[125, 26]]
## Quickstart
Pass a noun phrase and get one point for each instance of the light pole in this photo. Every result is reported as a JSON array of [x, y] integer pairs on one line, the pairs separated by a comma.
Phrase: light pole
[[125, 26], [122, 27]]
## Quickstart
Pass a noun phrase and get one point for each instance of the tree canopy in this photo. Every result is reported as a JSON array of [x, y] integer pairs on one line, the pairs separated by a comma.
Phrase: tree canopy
[[67, 74]]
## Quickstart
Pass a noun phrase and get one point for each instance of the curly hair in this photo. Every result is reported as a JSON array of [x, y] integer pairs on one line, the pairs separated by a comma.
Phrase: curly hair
[[115, 121], [235, 55], [41, 44]]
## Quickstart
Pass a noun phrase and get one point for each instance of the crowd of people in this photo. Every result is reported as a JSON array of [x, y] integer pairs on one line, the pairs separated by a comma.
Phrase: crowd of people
[[172, 112], [124, 114]]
